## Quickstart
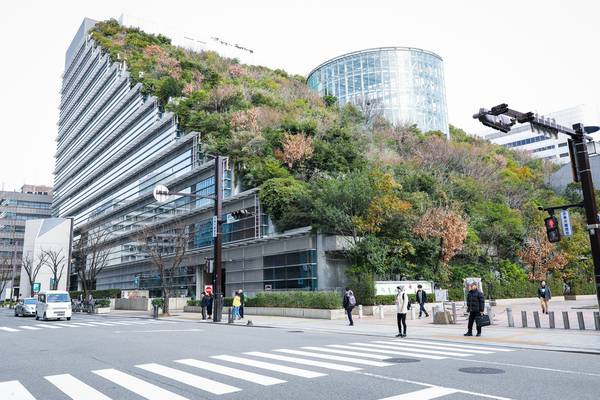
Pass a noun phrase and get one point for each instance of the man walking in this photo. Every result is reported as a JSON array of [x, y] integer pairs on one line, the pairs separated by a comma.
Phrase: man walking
[[544, 295], [349, 303], [422, 299], [475, 307], [402, 301], [204, 304], [242, 302], [209, 304]]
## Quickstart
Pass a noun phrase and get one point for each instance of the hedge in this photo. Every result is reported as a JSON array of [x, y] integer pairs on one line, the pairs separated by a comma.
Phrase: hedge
[[99, 294], [320, 300], [103, 303]]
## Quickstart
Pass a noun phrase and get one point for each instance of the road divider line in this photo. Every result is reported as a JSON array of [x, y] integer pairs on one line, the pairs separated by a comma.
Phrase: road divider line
[[460, 346], [6, 329], [335, 358], [349, 353], [563, 371], [232, 372], [271, 367], [430, 347], [304, 361], [394, 352], [137, 386], [436, 352], [13, 390], [424, 394], [74, 388], [196, 381]]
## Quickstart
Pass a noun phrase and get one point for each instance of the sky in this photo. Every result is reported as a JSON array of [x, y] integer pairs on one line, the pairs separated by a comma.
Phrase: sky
[[534, 55]]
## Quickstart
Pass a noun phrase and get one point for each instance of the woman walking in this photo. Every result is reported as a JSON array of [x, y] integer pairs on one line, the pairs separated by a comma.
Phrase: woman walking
[[401, 310], [237, 302]]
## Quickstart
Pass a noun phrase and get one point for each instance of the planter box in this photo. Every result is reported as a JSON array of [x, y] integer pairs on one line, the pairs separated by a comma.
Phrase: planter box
[[196, 309], [101, 310], [313, 313], [570, 297]]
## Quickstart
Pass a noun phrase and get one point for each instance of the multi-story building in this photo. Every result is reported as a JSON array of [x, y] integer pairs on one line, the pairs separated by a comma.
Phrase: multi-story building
[[403, 84], [32, 202], [114, 145], [523, 137]]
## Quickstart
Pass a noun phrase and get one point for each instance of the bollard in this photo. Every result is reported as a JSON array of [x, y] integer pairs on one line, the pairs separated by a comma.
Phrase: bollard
[[413, 313], [490, 313], [229, 316], [380, 311], [536, 319], [551, 319], [453, 312], [524, 319], [360, 311], [509, 317], [580, 320], [597, 320], [567, 325]]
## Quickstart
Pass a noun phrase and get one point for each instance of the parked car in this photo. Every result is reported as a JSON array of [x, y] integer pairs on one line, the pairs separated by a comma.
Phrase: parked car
[[26, 307], [53, 304]]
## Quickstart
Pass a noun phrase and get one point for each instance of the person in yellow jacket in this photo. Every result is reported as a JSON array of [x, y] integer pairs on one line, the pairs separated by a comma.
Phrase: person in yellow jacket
[[237, 302]]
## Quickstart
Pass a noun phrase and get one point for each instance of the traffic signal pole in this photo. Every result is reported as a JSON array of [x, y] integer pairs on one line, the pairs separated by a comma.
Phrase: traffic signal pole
[[218, 242]]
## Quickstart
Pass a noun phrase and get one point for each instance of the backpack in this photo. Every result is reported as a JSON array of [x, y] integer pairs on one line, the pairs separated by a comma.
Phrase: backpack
[[351, 300]]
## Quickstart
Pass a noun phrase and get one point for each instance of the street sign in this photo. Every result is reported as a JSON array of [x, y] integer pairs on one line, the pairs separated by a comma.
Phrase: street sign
[[208, 289], [214, 226], [161, 193], [268, 288], [36, 287], [565, 221]]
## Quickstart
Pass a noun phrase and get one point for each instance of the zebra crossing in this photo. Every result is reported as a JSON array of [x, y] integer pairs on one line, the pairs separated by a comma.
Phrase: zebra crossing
[[263, 368], [73, 324]]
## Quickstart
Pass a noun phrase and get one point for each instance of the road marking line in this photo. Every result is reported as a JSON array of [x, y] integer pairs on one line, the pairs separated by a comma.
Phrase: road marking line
[[304, 361], [3, 328], [349, 353], [271, 367], [424, 394], [460, 346], [67, 325], [395, 352], [82, 324], [389, 378], [196, 381], [564, 371], [31, 328], [428, 346], [232, 372], [74, 388], [443, 353], [47, 326], [13, 390], [101, 323], [163, 330], [138, 386], [336, 358]]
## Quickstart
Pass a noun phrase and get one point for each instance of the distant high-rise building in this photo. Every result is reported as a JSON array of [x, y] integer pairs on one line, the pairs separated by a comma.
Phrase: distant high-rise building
[[403, 84]]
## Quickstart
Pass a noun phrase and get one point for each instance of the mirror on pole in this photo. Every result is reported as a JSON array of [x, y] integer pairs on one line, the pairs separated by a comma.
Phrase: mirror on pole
[[161, 193]]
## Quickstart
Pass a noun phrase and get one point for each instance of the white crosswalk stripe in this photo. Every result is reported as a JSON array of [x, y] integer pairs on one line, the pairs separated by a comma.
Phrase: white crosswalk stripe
[[430, 346], [424, 394], [82, 324], [47, 326], [232, 372], [198, 382], [414, 350], [269, 366], [30, 328], [304, 361], [67, 325], [394, 352], [336, 358], [101, 323], [13, 390], [460, 346], [74, 388], [6, 329], [349, 353], [138, 386]]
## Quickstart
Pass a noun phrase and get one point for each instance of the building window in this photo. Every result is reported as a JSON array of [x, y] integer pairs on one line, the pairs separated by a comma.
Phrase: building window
[[564, 155], [297, 270]]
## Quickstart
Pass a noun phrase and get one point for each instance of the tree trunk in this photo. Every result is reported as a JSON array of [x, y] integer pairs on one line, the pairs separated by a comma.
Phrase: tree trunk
[[165, 301]]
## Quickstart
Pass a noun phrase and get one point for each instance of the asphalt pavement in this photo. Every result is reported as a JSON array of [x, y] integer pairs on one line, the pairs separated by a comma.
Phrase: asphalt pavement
[[116, 357]]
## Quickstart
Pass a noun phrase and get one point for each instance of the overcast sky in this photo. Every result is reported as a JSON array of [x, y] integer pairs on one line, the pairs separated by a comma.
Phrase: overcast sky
[[534, 55]]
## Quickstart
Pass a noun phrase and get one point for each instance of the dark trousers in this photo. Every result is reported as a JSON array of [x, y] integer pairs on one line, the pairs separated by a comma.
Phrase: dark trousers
[[401, 323], [422, 310], [241, 311], [203, 312], [472, 317], [349, 312]]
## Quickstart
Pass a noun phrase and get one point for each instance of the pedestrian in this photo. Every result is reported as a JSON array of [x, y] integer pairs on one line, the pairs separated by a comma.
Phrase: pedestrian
[[237, 302], [402, 301], [349, 303], [544, 295], [204, 304], [475, 307], [209, 304], [422, 299], [243, 302]]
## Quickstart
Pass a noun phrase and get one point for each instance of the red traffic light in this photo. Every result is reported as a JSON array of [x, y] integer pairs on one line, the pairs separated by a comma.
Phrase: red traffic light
[[552, 230]]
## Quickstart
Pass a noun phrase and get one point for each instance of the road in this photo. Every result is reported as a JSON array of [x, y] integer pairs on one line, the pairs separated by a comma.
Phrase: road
[[95, 357]]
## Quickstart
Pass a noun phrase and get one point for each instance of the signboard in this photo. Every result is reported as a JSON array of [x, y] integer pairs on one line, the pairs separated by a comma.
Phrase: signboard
[[161, 193], [389, 287], [36, 287], [208, 289], [268, 288], [214, 226], [565, 221]]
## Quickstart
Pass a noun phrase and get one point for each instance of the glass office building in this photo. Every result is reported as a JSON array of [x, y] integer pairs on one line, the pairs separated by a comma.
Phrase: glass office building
[[403, 84]]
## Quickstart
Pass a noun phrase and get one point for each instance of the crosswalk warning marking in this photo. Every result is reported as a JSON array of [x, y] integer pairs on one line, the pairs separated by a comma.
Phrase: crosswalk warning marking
[[138, 386], [30, 328], [67, 325], [424, 394], [232, 372], [336, 358], [13, 390], [82, 324], [196, 381], [74, 388], [6, 329], [47, 326], [304, 361], [349, 353], [395, 352], [271, 367], [430, 346], [101, 323], [391, 347]]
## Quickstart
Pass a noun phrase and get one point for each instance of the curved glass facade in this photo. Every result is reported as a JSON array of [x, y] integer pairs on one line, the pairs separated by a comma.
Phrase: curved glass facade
[[405, 85]]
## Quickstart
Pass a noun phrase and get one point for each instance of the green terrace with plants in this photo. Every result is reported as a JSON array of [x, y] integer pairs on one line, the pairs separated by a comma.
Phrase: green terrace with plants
[[411, 203]]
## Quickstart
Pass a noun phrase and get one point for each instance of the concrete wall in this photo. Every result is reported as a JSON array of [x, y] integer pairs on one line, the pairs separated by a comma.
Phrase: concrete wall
[[561, 178], [137, 304]]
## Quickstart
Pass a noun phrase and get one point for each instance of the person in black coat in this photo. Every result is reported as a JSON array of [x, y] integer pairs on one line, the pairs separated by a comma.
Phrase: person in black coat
[[475, 307], [204, 304], [421, 300]]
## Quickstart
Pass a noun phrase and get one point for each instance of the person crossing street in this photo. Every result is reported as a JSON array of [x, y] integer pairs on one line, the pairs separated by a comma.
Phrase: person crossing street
[[475, 307], [421, 300]]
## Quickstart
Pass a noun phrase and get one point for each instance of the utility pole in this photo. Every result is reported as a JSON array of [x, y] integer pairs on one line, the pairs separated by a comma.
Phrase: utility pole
[[503, 118], [218, 241]]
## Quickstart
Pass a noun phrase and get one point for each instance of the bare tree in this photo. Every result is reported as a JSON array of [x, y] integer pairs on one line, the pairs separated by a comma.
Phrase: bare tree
[[166, 249], [5, 273], [372, 109], [91, 257], [32, 266], [55, 261]]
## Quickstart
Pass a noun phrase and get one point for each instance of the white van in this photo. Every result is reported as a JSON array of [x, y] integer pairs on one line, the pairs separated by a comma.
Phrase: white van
[[53, 304]]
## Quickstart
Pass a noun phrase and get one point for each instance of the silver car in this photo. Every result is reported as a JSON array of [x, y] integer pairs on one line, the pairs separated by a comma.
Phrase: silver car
[[25, 307]]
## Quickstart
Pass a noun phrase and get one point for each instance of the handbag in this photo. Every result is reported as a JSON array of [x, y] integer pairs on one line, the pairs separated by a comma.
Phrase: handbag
[[483, 320]]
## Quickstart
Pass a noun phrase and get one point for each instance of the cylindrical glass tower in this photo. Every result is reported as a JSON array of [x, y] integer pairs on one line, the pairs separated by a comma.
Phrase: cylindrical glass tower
[[403, 84]]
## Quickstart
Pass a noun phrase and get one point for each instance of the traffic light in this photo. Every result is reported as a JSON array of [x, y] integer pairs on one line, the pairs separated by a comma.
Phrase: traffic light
[[552, 229], [500, 122], [240, 214]]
